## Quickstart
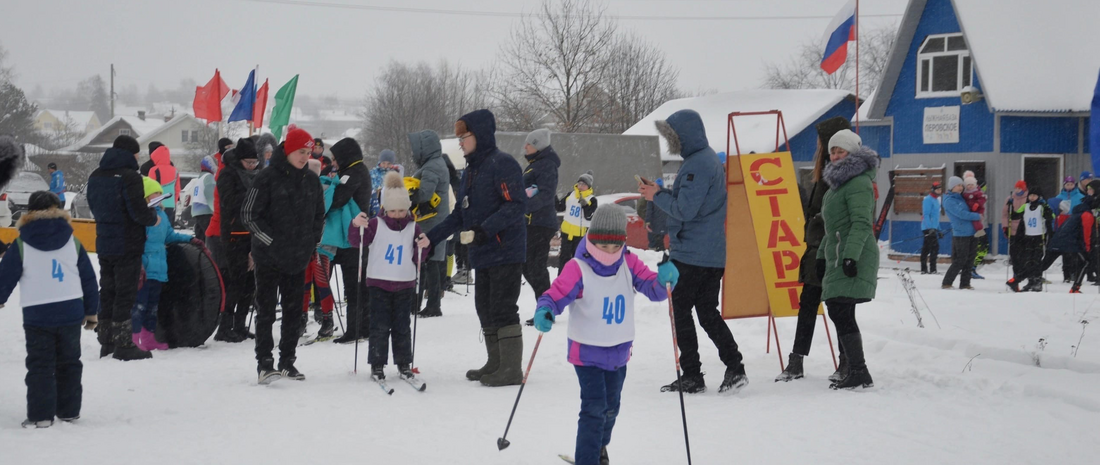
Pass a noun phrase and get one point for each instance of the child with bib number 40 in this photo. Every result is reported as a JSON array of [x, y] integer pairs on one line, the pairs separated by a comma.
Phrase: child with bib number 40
[[395, 245], [598, 285]]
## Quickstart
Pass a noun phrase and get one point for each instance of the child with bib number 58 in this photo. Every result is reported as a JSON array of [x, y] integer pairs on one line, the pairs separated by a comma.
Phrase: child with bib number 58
[[598, 285], [395, 247]]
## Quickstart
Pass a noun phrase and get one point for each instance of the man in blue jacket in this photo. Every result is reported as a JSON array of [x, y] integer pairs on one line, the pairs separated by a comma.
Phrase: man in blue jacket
[[540, 180], [696, 208], [116, 196], [964, 245], [930, 225], [489, 213], [57, 182]]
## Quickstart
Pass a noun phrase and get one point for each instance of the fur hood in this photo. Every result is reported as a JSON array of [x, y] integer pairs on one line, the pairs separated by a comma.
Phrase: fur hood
[[45, 229], [684, 133], [838, 173]]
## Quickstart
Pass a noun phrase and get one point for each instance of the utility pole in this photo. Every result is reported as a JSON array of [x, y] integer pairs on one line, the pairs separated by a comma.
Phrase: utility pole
[[112, 91]]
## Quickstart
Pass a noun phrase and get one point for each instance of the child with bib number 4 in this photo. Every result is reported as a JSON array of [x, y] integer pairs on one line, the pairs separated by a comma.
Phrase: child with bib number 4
[[395, 247], [599, 285]]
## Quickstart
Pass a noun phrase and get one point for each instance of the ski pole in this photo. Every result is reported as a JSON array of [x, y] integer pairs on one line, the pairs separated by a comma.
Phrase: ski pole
[[358, 301], [676, 351], [503, 443], [419, 258]]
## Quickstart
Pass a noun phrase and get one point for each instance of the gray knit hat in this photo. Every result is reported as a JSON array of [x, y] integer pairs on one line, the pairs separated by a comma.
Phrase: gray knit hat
[[586, 178], [954, 181], [847, 140], [608, 225], [539, 139], [387, 155]]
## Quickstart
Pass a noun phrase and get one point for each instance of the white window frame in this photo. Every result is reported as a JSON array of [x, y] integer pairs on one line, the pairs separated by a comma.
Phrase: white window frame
[[931, 66]]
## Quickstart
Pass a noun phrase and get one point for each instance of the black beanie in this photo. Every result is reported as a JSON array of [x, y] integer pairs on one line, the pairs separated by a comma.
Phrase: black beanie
[[154, 145], [128, 144], [43, 200], [223, 143], [317, 142], [828, 128], [245, 149]]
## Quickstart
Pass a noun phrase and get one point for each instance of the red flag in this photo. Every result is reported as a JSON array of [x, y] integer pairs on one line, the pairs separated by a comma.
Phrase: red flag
[[208, 99], [260, 106]]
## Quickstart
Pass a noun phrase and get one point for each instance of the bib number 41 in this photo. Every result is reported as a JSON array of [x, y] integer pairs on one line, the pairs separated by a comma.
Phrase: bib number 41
[[614, 312], [390, 256]]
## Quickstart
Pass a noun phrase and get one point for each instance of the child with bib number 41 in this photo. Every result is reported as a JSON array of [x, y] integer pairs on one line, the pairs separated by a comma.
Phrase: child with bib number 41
[[395, 247], [599, 285]]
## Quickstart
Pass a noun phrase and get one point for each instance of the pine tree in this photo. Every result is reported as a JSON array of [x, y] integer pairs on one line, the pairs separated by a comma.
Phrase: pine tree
[[17, 114]]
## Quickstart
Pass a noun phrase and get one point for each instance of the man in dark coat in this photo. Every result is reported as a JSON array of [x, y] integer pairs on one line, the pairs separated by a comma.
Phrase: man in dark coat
[[355, 185], [285, 212], [489, 213], [116, 196], [233, 183], [540, 179]]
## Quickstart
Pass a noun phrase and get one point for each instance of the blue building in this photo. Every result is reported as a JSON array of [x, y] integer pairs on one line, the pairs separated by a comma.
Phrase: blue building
[[1000, 88]]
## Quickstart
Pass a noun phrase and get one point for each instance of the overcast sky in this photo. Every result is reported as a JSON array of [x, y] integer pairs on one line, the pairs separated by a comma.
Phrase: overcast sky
[[57, 43]]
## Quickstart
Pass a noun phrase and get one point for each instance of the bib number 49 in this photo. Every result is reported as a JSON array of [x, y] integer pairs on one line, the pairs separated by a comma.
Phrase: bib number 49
[[614, 312], [56, 272]]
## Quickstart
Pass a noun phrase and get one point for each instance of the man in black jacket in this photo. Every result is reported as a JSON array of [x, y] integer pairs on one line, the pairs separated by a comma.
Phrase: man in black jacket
[[540, 180], [116, 196], [354, 186], [285, 212], [233, 183]]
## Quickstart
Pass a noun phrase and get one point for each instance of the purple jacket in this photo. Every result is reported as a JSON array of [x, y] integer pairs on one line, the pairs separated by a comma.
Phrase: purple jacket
[[368, 238], [569, 286]]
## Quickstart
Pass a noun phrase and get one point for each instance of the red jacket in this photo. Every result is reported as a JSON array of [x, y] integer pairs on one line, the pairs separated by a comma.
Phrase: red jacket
[[215, 228]]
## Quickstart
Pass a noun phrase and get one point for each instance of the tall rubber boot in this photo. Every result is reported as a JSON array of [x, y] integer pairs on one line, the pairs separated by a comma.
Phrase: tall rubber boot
[[103, 334], [125, 349], [510, 372], [857, 366], [493, 352]]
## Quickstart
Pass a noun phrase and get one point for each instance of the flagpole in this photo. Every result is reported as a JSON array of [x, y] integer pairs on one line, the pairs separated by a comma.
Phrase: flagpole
[[858, 40]]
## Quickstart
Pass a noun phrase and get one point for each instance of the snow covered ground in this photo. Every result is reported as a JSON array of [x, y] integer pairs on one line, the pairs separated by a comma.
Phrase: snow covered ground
[[931, 402]]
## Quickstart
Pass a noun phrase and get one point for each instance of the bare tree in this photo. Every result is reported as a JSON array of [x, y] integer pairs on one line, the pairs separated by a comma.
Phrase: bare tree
[[7, 73], [638, 80], [803, 71], [558, 59], [92, 92], [63, 134], [413, 97]]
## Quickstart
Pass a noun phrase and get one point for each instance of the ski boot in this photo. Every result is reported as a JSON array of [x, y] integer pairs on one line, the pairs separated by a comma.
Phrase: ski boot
[[378, 371], [689, 384], [327, 328], [793, 370], [1033, 285], [1013, 284], [406, 371], [974, 274]]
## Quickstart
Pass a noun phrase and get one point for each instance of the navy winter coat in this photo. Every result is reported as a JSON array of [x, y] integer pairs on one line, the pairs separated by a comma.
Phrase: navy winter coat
[[542, 171], [492, 198], [696, 204], [116, 196], [50, 230], [1075, 235]]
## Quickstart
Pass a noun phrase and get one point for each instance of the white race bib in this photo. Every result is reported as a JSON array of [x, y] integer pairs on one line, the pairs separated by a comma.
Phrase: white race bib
[[574, 213], [604, 317], [1033, 221], [391, 254], [49, 276]]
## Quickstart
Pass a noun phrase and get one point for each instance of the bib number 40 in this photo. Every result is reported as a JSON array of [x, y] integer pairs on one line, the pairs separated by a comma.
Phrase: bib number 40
[[614, 312]]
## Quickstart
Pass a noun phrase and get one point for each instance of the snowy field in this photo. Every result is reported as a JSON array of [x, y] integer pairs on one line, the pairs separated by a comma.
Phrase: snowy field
[[968, 392]]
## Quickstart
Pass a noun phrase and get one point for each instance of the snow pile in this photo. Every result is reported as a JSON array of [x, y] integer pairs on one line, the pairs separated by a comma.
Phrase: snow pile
[[968, 392], [754, 133]]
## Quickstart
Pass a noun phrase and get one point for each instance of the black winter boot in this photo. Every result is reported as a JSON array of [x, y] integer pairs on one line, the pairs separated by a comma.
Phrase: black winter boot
[[603, 456], [793, 370], [510, 370], [690, 384], [857, 368], [327, 328], [734, 380], [225, 330], [378, 371], [266, 371], [125, 350], [103, 335], [240, 325], [1034, 285], [286, 368], [492, 350], [841, 368]]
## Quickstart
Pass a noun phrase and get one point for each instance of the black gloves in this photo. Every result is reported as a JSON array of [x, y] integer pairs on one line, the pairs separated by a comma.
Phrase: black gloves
[[850, 268], [821, 268]]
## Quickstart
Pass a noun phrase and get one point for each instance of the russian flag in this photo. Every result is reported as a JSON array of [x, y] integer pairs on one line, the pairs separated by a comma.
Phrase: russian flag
[[841, 30]]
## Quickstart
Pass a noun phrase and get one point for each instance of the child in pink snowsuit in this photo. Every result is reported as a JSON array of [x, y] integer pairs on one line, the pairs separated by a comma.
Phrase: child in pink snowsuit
[[975, 199]]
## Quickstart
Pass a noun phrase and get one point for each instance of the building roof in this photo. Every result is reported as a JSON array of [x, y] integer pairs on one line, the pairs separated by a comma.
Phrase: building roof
[[1029, 56], [139, 126], [800, 107], [80, 118], [144, 137], [1033, 56]]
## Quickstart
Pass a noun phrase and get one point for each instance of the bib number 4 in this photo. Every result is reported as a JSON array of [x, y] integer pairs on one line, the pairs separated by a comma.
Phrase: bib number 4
[[614, 312], [56, 272]]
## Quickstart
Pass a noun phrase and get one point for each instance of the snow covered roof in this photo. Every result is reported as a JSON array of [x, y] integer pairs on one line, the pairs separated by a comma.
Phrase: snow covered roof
[[79, 118], [144, 137], [1033, 56], [139, 126], [754, 134]]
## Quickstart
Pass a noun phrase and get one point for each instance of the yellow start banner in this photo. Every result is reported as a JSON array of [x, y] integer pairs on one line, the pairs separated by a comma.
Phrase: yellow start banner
[[776, 209]]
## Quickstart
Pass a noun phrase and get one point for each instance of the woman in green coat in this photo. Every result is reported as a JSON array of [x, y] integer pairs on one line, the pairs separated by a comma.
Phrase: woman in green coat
[[847, 260]]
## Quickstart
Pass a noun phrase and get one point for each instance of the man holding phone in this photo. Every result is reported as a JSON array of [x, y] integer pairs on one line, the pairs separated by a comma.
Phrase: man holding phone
[[696, 208]]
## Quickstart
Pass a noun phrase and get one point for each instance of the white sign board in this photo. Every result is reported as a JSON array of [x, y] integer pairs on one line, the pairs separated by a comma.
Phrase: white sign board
[[941, 125]]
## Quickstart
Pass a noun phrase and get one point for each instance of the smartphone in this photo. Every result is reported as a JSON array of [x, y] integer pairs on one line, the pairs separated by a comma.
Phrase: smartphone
[[641, 179]]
